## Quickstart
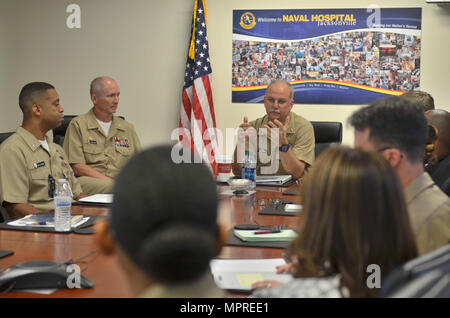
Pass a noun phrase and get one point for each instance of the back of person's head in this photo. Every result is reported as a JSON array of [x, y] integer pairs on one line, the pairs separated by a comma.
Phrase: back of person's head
[[31, 94], [395, 122], [354, 215], [423, 98], [164, 216], [440, 119]]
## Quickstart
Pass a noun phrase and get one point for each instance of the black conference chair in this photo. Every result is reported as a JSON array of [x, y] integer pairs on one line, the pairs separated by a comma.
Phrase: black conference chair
[[427, 276], [4, 136], [326, 134], [60, 132]]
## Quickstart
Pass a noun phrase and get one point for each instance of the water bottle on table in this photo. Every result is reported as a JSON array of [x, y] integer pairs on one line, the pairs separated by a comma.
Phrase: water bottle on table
[[244, 164], [250, 168], [63, 203]]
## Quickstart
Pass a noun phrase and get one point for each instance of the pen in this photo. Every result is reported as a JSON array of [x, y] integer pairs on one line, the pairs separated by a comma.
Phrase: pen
[[267, 232], [37, 223]]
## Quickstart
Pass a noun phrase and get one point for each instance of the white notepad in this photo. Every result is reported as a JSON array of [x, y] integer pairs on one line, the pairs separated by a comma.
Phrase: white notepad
[[240, 274], [98, 198]]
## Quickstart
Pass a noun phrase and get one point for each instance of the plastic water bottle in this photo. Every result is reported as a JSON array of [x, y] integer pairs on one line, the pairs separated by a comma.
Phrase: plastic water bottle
[[63, 203], [250, 169], [244, 164]]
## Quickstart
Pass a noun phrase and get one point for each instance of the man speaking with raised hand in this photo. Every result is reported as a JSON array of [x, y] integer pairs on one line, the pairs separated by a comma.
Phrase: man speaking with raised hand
[[295, 138]]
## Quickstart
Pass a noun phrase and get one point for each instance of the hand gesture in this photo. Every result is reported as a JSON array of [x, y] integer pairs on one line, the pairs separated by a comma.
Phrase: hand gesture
[[282, 129], [245, 125]]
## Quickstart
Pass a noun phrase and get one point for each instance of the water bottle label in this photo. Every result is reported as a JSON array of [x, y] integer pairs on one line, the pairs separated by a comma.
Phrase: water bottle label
[[251, 174], [63, 204]]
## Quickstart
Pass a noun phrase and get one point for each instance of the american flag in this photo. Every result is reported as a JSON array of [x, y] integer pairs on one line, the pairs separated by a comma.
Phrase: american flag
[[197, 120]]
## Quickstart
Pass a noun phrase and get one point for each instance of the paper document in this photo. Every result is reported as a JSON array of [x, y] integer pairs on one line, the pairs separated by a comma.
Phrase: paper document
[[240, 274], [46, 220], [293, 208], [275, 180], [98, 198], [252, 236], [43, 291]]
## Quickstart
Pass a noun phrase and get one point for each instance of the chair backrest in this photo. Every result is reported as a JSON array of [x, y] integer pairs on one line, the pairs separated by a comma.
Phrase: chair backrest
[[60, 131], [425, 276], [4, 136], [326, 133]]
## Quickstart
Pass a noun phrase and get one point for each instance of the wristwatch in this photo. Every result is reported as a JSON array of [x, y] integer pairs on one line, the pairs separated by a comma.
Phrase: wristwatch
[[285, 147]]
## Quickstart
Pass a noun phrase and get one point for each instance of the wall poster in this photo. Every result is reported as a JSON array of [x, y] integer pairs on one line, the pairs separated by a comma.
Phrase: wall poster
[[330, 56]]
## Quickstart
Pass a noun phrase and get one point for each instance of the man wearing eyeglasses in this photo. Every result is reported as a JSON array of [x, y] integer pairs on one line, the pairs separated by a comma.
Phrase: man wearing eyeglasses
[[397, 128], [30, 163], [295, 142]]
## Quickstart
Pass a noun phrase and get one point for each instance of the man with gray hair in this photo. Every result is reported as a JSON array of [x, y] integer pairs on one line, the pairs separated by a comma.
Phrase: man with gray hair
[[295, 134], [99, 143]]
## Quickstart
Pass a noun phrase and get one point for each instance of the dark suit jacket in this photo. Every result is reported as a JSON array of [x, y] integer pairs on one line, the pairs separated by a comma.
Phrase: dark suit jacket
[[439, 171]]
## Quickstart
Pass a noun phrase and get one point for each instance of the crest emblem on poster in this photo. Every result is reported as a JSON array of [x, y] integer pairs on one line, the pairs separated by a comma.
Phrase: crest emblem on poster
[[248, 20]]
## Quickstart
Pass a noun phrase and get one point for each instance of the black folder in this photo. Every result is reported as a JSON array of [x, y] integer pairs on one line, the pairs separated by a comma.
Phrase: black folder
[[293, 191], [233, 240], [92, 203], [278, 208], [4, 253]]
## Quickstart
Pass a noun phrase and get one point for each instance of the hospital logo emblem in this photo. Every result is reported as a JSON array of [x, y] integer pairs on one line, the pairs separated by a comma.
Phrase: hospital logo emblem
[[248, 20]]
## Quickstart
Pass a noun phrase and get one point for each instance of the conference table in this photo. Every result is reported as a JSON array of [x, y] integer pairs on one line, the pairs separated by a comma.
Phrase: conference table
[[104, 271]]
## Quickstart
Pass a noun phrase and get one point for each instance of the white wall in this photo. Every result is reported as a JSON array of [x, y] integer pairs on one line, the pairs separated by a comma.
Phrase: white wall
[[143, 45]]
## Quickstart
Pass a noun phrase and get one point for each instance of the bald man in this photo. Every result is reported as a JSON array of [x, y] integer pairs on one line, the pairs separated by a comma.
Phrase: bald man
[[295, 153], [99, 143], [439, 165]]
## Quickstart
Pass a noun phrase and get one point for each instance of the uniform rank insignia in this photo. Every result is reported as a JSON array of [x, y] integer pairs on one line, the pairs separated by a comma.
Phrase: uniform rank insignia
[[121, 142], [39, 164], [91, 141], [63, 163]]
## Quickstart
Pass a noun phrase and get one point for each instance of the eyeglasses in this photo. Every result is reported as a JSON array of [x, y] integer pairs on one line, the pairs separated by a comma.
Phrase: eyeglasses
[[51, 186]]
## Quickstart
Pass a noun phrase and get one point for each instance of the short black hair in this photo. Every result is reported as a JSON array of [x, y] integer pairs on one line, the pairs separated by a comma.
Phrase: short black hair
[[164, 215], [394, 121], [30, 92]]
